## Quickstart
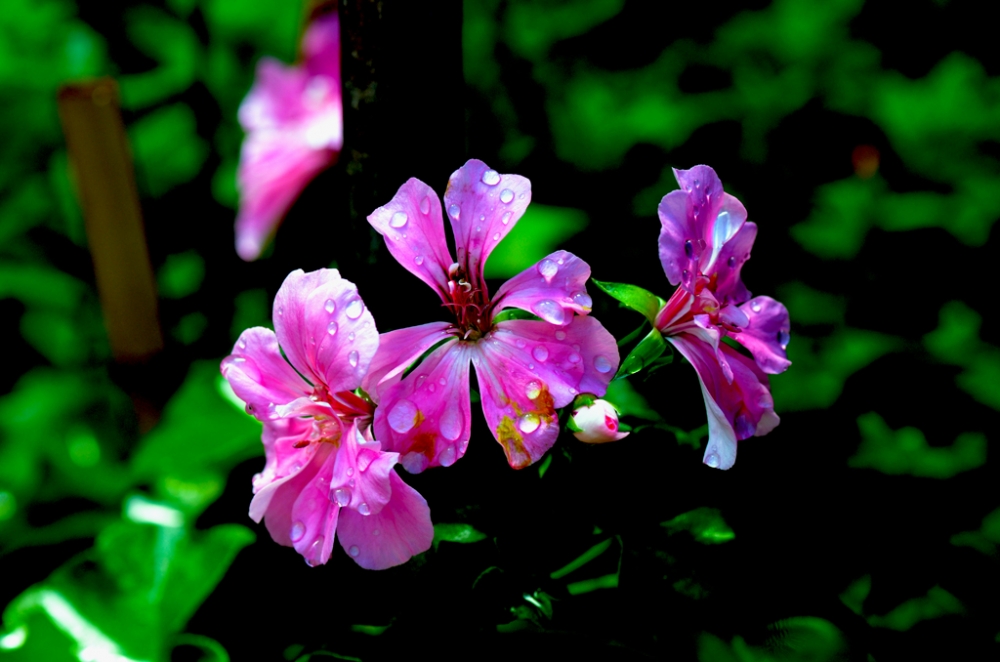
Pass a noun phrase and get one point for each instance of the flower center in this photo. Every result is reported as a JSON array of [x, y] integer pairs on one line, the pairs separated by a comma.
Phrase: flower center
[[473, 316]]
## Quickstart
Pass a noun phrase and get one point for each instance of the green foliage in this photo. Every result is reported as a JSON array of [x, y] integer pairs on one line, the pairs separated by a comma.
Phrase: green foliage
[[855, 595], [956, 342], [628, 401], [986, 539], [538, 233], [170, 42], [646, 354], [167, 148], [463, 533], [181, 275], [705, 525], [797, 639], [532, 28], [905, 451], [937, 603], [582, 560], [634, 297]]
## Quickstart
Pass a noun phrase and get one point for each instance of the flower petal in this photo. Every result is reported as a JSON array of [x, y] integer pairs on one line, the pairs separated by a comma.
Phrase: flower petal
[[553, 289], [260, 375], [483, 206], [324, 328], [402, 529], [360, 479], [526, 369], [272, 101], [397, 351], [414, 233], [426, 417], [729, 288], [321, 47], [766, 334]]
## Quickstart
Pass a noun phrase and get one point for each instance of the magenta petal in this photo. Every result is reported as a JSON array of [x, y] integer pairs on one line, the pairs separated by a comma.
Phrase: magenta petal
[[397, 351], [260, 375], [426, 417], [553, 289], [527, 369], [729, 287], [414, 232], [360, 479], [324, 328], [402, 529], [483, 206], [766, 333], [267, 105], [321, 47]]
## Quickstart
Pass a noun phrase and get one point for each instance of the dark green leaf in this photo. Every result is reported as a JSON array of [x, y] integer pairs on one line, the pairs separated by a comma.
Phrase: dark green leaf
[[704, 524], [634, 297], [456, 533], [643, 355]]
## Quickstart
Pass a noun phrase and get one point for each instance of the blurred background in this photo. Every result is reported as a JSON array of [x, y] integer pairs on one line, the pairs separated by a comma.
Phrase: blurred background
[[863, 139]]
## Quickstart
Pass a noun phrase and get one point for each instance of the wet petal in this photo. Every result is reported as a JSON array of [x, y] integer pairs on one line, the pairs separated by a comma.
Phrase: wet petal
[[766, 333], [402, 529], [729, 288], [397, 351], [553, 289], [414, 233], [260, 375], [483, 206], [426, 417], [324, 328], [598, 423], [280, 437], [526, 369], [360, 478]]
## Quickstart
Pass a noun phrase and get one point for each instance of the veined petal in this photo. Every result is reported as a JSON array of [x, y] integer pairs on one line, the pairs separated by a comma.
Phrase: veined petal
[[553, 289], [260, 375], [360, 478], [414, 233], [324, 328], [321, 47], [766, 334], [483, 206], [729, 288], [397, 351], [282, 459], [426, 417], [526, 369], [402, 529]]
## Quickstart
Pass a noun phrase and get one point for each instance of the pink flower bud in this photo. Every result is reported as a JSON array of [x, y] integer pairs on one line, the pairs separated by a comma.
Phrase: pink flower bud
[[598, 423]]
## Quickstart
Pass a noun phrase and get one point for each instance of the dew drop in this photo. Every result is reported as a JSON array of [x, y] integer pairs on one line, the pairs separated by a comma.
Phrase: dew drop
[[541, 353], [755, 306], [533, 390], [355, 308], [243, 344], [520, 343], [281, 311], [496, 236], [452, 423], [583, 299], [573, 357], [425, 205], [447, 457], [331, 328], [352, 358], [506, 195], [398, 219], [454, 211], [688, 248], [442, 381], [548, 269], [418, 260], [491, 178], [602, 364], [782, 338], [731, 262], [249, 409], [342, 496], [402, 416], [560, 335], [330, 306], [298, 530], [505, 219], [354, 551], [350, 471], [529, 423], [364, 509], [350, 337], [712, 460], [550, 311]]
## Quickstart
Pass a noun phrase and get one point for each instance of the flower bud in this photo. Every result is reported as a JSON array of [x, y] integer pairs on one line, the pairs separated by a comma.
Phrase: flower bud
[[597, 423]]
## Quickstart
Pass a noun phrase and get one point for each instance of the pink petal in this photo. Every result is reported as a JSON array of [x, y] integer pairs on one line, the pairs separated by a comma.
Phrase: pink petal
[[483, 206], [729, 288], [553, 289], [272, 101], [766, 333], [360, 479], [526, 369], [397, 351], [402, 529], [414, 232], [282, 459], [324, 328], [321, 46], [260, 375], [426, 417]]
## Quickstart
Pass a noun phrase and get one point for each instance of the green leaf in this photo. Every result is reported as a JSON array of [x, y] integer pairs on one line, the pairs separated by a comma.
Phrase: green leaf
[[704, 524], [538, 233], [906, 451], [170, 42], [630, 402], [167, 148], [634, 297], [463, 533], [643, 355], [181, 275], [582, 560], [514, 314], [937, 603]]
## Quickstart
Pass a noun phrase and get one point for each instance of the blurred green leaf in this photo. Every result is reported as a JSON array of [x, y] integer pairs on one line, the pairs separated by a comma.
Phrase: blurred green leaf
[[805, 638], [643, 355], [582, 560], [190, 328], [167, 148], [36, 285], [463, 533], [855, 595], [272, 27], [634, 297], [937, 603], [705, 525], [538, 233], [810, 306], [532, 27], [170, 42], [629, 402], [986, 539], [181, 275], [252, 309], [905, 451]]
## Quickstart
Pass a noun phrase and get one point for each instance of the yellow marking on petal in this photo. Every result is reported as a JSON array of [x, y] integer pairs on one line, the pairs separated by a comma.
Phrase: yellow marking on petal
[[513, 443]]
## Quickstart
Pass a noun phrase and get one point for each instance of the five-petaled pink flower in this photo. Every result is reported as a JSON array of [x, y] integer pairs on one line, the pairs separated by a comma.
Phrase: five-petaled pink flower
[[525, 368], [704, 241], [294, 124], [324, 475]]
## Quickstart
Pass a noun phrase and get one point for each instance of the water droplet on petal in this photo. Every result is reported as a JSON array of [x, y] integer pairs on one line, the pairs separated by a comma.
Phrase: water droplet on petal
[[755, 306], [533, 390], [583, 299], [442, 381], [402, 416], [425, 205], [355, 308], [281, 311], [560, 335], [447, 457], [602, 364], [315, 552], [573, 357], [452, 423], [243, 344], [352, 358], [342, 496], [364, 509], [330, 306], [712, 460], [454, 211], [688, 248], [398, 219], [540, 352], [249, 409], [298, 530], [496, 236], [418, 260], [491, 178], [529, 423], [550, 311], [331, 328], [354, 551], [350, 337], [783, 338], [506, 195], [505, 219], [350, 471], [520, 343], [731, 262], [548, 269]]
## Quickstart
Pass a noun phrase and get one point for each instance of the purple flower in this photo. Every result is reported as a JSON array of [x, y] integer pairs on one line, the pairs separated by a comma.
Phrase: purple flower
[[525, 368], [704, 241], [324, 475], [294, 125]]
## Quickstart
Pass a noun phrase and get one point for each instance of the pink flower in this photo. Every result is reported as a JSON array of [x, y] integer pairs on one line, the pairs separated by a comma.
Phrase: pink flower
[[598, 423], [294, 125], [324, 475], [525, 368], [704, 242]]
